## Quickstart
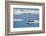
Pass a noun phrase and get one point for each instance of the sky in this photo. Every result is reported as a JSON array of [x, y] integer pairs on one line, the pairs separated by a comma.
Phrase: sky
[[21, 11]]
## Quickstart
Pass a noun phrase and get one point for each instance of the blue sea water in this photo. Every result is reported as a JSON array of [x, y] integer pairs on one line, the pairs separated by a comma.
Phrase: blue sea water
[[26, 18]]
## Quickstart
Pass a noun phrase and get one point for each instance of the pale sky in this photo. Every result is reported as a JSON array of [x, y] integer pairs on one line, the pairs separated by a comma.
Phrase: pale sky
[[16, 11]]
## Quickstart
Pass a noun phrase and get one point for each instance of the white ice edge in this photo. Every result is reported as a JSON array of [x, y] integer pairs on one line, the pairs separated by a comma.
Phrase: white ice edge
[[18, 20]]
